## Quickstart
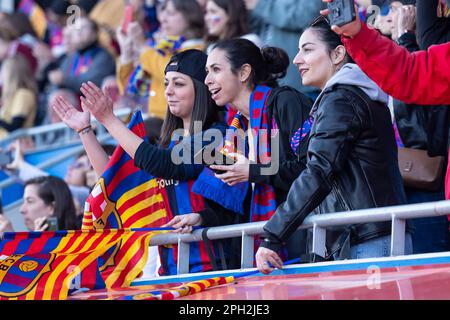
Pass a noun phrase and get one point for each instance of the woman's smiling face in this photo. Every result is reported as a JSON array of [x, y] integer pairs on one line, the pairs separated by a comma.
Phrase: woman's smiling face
[[180, 94], [221, 81], [313, 60]]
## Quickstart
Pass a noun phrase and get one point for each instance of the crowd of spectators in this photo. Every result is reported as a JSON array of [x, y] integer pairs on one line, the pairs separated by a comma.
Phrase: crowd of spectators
[[57, 57]]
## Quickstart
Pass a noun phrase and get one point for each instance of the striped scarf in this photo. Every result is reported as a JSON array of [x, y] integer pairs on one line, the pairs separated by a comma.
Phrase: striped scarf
[[179, 199], [263, 204], [139, 82], [81, 62]]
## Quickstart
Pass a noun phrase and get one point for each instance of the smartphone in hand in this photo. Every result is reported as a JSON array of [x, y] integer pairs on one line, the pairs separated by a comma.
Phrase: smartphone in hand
[[52, 223], [5, 158], [341, 12], [224, 159]]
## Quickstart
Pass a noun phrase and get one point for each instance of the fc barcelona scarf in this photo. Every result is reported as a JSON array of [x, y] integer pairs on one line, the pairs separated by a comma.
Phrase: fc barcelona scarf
[[263, 204], [82, 61], [179, 199]]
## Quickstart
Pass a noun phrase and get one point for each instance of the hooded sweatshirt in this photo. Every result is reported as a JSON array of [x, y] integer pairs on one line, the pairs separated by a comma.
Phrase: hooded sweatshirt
[[351, 74]]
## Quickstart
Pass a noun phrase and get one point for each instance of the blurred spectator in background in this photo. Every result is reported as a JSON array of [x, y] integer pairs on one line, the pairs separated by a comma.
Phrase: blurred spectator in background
[[89, 62], [108, 15], [70, 47], [46, 197], [21, 24], [433, 22], [384, 21], [145, 13], [202, 4], [75, 176], [7, 36], [110, 82], [227, 19], [57, 18], [12, 42], [35, 14], [278, 23], [86, 6], [18, 97], [5, 224], [37, 52], [51, 116], [182, 28], [46, 115]]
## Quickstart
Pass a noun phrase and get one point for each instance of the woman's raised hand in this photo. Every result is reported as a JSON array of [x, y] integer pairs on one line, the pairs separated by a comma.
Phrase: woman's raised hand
[[71, 116], [96, 102], [348, 30]]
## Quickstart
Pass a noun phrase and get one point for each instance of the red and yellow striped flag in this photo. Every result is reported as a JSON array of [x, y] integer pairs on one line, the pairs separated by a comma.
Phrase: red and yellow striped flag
[[47, 265], [125, 197]]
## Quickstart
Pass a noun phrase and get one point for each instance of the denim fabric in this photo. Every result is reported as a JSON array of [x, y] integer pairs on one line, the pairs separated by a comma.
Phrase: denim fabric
[[378, 247]]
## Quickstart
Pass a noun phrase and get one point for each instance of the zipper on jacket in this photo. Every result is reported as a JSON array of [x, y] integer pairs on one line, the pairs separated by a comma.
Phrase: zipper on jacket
[[340, 196]]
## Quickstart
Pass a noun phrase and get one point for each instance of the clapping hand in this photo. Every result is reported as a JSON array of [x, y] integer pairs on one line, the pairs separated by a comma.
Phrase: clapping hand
[[70, 115], [96, 102]]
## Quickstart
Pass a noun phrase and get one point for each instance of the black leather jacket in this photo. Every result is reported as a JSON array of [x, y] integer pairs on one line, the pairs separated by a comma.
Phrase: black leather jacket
[[351, 164]]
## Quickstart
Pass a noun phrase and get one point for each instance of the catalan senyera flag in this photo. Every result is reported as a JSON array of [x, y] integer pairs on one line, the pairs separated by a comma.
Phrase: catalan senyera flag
[[180, 291], [149, 292], [125, 197], [48, 265]]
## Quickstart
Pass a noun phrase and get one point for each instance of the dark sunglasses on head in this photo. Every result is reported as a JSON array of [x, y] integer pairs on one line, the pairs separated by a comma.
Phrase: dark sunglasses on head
[[320, 19]]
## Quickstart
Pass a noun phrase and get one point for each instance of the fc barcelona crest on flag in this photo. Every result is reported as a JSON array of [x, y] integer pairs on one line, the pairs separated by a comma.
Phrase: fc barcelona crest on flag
[[19, 273]]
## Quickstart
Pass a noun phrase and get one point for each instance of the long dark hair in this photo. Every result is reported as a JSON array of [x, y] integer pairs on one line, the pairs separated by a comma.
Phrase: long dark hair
[[204, 110], [268, 64], [193, 14], [237, 24], [54, 191], [322, 28]]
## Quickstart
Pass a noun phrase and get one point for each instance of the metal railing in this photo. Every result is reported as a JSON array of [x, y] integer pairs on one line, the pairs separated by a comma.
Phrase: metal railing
[[65, 134], [48, 164], [68, 137], [319, 223]]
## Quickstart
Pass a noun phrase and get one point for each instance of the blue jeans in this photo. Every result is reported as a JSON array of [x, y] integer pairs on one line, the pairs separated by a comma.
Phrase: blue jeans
[[378, 247]]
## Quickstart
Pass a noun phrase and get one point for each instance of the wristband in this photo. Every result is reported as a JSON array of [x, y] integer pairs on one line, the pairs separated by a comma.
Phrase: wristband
[[85, 129]]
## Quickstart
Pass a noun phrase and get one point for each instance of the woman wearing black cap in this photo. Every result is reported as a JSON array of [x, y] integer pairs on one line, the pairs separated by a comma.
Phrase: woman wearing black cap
[[189, 103]]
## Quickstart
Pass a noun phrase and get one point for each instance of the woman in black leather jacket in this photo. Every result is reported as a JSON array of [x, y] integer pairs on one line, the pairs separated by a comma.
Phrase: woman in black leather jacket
[[351, 159]]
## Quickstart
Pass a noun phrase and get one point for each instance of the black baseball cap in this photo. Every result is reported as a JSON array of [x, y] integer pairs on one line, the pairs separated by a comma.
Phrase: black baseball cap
[[190, 62]]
